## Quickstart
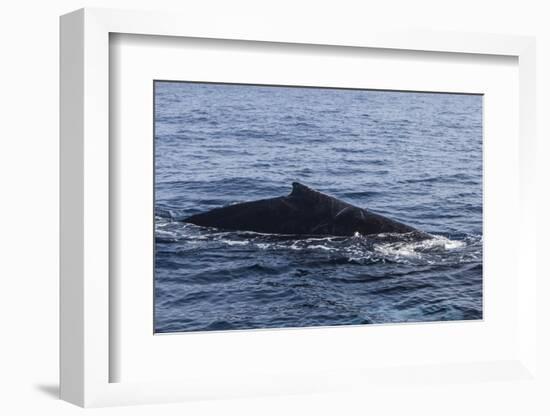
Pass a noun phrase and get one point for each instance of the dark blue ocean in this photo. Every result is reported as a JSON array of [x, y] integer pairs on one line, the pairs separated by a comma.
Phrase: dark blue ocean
[[414, 157]]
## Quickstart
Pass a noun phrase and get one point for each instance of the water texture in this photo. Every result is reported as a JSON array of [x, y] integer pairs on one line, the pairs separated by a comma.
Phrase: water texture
[[414, 157]]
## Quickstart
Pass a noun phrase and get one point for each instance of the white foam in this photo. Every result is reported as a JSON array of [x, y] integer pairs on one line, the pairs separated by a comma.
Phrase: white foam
[[320, 247], [235, 243], [416, 249]]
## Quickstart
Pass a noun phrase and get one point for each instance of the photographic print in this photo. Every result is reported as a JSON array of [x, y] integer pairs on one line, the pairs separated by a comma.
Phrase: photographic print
[[291, 206]]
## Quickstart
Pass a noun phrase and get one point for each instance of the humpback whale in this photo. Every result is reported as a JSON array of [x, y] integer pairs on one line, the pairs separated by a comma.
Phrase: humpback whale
[[304, 211]]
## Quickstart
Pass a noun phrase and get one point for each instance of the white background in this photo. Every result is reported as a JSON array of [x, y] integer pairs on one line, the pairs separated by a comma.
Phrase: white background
[[29, 209]]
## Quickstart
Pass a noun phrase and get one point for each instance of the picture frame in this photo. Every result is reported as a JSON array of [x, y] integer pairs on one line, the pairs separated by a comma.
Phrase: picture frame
[[87, 304]]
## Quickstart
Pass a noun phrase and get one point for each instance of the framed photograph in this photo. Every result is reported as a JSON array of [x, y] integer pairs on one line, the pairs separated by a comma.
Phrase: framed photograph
[[271, 212]]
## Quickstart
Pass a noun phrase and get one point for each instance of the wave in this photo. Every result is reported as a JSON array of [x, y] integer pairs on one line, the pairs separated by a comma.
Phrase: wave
[[358, 249]]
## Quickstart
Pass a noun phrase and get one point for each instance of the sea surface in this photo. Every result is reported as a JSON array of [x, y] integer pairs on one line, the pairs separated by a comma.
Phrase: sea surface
[[414, 157]]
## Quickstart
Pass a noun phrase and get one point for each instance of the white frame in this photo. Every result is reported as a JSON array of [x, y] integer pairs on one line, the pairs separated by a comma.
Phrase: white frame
[[85, 263]]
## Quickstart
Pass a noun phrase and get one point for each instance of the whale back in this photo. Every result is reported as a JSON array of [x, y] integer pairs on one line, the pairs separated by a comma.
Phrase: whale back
[[304, 211]]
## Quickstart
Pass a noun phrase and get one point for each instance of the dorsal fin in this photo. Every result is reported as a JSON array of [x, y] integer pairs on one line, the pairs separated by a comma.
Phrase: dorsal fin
[[302, 191], [305, 192]]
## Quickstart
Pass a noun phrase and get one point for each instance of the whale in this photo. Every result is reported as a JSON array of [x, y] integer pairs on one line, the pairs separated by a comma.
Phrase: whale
[[303, 212]]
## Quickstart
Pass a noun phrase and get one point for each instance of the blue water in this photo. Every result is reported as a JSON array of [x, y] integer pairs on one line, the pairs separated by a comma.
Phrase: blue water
[[415, 157]]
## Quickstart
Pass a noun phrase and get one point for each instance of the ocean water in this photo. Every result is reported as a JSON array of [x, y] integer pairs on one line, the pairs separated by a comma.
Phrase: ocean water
[[414, 157]]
